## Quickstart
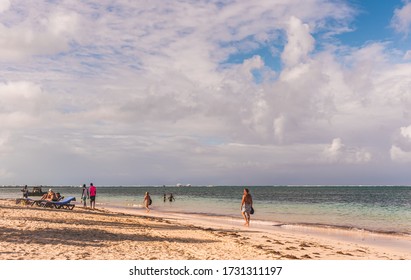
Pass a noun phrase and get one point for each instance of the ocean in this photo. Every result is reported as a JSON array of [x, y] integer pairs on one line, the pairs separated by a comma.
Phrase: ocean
[[385, 209]]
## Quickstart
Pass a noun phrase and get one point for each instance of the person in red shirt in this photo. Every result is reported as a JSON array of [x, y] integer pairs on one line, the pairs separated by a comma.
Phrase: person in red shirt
[[93, 192]]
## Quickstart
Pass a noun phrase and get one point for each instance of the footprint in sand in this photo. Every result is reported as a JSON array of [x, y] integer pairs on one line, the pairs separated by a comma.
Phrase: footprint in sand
[[290, 257], [361, 251], [305, 245], [274, 252], [345, 254]]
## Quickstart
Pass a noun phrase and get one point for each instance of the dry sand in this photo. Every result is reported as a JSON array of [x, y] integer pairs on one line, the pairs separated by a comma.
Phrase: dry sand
[[33, 233]]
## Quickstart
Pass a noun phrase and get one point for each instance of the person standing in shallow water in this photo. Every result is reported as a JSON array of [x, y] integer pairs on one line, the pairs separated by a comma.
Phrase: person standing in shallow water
[[93, 193], [147, 201], [246, 205], [25, 192], [85, 195]]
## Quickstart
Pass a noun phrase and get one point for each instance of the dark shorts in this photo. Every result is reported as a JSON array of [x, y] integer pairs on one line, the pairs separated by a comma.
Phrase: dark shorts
[[92, 198]]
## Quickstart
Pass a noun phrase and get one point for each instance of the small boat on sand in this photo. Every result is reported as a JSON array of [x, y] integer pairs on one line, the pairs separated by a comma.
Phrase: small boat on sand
[[36, 192]]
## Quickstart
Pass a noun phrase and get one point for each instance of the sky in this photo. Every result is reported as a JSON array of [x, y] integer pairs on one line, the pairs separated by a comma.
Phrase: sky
[[205, 92]]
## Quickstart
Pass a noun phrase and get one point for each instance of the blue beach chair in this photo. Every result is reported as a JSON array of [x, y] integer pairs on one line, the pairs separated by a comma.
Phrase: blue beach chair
[[62, 204]]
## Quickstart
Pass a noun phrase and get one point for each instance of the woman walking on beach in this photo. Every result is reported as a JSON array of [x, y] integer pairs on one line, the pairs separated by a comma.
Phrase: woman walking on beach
[[85, 195], [147, 201], [246, 205]]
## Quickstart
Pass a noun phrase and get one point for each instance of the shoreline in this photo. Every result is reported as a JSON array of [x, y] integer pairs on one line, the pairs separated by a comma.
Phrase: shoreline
[[31, 233], [399, 241], [201, 215], [301, 206]]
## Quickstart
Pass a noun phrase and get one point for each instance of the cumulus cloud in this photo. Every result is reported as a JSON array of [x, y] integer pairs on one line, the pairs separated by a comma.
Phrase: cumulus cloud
[[406, 132], [401, 20], [335, 150], [48, 31], [193, 91], [299, 43], [339, 152], [399, 155]]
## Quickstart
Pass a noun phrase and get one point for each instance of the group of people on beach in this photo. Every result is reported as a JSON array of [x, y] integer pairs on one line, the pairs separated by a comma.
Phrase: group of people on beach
[[89, 193], [50, 195], [148, 201], [246, 204], [246, 201]]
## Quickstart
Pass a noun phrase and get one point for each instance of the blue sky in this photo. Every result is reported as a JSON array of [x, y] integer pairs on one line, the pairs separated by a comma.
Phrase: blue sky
[[372, 22], [205, 92]]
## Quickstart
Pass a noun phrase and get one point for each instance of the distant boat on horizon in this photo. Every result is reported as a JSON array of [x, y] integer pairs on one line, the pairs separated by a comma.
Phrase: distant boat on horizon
[[181, 185]]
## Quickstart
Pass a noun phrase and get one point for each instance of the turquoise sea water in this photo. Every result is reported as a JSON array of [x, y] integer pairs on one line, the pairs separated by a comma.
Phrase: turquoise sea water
[[373, 208]]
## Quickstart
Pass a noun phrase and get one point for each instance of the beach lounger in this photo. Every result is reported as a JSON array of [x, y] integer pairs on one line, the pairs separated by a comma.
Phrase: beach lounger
[[39, 202], [24, 201], [62, 204]]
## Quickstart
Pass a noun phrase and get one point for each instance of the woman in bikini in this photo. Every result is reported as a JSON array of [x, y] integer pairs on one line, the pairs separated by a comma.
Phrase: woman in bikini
[[246, 205], [147, 203]]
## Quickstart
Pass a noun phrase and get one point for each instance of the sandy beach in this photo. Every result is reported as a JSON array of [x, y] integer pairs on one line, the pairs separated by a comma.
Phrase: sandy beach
[[33, 233]]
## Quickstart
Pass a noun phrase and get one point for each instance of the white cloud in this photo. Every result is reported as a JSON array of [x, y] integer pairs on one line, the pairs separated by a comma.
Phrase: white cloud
[[407, 55], [188, 89], [339, 152], [406, 132], [47, 33], [335, 150], [299, 43], [398, 155], [4, 5], [401, 20]]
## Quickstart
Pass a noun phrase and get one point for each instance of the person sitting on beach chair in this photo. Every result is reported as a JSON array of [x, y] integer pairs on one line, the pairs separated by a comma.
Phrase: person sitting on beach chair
[[50, 196], [59, 197]]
